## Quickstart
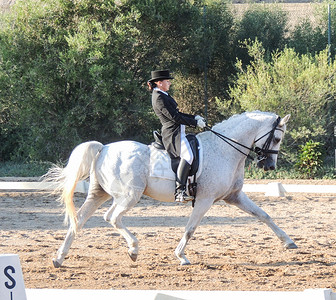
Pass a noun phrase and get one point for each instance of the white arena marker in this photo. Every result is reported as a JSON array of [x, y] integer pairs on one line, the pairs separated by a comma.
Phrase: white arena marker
[[275, 189], [11, 278]]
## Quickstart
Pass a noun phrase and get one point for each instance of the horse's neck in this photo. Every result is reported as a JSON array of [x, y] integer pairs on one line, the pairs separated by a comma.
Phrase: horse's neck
[[243, 131]]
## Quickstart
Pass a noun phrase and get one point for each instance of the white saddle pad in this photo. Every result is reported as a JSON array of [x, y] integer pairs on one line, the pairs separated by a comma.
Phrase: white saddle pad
[[160, 163]]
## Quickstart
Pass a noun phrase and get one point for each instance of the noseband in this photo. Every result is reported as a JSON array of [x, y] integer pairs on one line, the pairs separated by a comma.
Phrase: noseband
[[262, 153]]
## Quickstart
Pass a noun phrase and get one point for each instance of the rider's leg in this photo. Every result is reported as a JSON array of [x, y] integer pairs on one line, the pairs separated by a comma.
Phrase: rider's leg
[[182, 174]]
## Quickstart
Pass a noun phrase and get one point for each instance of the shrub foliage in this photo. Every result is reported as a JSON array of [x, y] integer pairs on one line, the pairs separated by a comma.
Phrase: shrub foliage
[[301, 85], [309, 159]]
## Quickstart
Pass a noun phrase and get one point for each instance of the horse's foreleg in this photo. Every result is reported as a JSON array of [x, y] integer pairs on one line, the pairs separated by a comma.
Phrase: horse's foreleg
[[114, 217], [94, 199], [247, 205], [194, 220]]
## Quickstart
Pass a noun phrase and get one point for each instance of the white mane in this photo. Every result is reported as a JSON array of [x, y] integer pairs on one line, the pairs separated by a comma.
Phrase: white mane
[[235, 120]]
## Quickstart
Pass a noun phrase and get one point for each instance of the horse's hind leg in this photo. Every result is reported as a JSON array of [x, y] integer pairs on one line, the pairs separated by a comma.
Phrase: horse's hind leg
[[247, 205], [114, 217], [96, 197]]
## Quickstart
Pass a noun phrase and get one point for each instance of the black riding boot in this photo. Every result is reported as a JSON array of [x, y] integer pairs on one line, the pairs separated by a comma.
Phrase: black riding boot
[[181, 180]]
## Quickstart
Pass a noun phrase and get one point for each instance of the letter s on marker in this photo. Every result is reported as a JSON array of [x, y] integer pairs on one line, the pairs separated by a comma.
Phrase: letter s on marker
[[12, 284]]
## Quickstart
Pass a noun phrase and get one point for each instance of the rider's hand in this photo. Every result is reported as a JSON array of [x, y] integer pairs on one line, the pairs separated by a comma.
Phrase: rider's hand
[[201, 123], [197, 117]]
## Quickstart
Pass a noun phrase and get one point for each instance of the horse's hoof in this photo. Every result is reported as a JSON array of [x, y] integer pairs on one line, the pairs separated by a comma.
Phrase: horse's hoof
[[56, 263], [291, 246], [133, 256], [185, 262]]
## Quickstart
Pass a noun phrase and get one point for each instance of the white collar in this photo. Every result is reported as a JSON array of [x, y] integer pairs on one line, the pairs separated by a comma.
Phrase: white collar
[[157, 89]]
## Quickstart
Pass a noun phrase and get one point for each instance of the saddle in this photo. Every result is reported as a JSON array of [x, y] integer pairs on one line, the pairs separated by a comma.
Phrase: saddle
[[194, 144], [175, 162]]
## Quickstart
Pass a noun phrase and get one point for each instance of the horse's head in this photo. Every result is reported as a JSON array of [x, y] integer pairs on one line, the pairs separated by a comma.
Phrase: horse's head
[[267, 146]]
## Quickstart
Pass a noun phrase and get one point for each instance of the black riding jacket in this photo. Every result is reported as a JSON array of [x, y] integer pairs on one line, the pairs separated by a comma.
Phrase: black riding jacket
[[171, 119]]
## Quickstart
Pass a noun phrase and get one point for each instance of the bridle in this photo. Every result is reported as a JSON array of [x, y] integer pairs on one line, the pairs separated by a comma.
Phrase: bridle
[[262, 153]]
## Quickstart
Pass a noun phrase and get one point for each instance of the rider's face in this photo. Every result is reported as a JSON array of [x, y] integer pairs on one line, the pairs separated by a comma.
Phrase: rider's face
[[164, 85]]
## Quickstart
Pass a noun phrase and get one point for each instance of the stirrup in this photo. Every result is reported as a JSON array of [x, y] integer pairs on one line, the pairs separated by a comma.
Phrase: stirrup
[[183, 197]]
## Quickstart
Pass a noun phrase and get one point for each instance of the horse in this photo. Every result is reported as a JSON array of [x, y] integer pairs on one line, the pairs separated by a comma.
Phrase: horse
[[122, 171]]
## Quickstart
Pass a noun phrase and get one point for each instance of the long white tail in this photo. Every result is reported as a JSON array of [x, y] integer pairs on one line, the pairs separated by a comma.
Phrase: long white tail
[[78, 168]]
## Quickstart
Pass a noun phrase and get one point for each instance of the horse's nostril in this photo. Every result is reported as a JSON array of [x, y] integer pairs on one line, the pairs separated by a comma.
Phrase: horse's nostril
[[272, 168]]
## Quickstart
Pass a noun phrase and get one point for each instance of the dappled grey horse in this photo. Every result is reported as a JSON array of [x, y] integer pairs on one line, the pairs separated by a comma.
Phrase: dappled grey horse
[[124, 171]]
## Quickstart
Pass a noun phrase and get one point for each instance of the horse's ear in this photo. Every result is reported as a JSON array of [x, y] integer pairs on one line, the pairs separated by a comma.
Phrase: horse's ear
[[284, 120]]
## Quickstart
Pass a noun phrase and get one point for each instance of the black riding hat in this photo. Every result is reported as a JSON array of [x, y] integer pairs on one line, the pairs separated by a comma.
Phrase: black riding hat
[[160, 75]]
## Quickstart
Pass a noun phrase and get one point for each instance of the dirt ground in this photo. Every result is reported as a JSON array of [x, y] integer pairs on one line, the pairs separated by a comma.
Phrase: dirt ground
[[230, 250]]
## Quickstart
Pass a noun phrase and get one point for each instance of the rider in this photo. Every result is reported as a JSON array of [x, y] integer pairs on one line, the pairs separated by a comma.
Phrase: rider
[[173, 129]]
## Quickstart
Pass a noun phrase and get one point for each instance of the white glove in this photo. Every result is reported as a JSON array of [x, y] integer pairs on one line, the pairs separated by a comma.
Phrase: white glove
[[201, 123], [198, 117]]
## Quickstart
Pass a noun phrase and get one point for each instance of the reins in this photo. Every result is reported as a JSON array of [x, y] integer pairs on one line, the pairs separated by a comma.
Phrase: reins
[[226, 139], [261, 152]]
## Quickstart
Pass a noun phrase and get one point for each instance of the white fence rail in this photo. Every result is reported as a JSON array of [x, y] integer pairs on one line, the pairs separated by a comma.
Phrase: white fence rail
[[82, 186], [270, 189], [42, 294], [279, 189]]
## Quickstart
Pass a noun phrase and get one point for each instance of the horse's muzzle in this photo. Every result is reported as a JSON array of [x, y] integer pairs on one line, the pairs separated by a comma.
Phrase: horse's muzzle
[[267, 164]]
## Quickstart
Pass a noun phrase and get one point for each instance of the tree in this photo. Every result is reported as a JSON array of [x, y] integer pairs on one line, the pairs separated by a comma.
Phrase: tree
[[77, 70], [268, 24]]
